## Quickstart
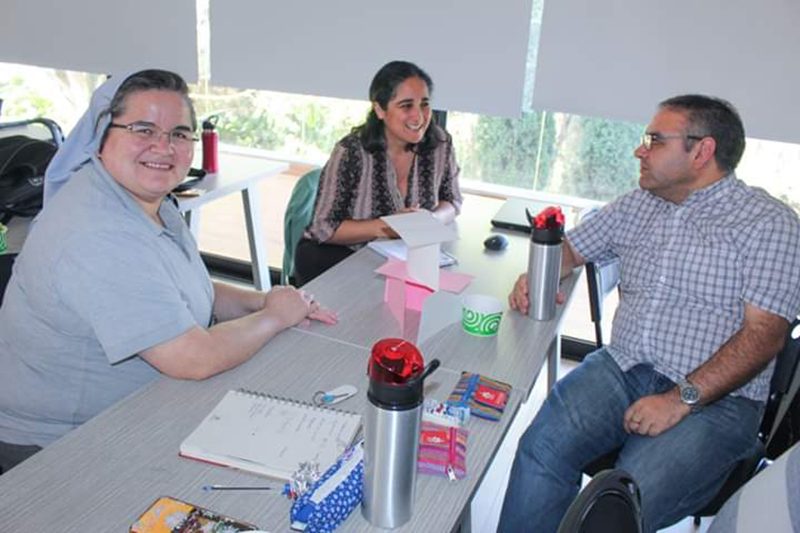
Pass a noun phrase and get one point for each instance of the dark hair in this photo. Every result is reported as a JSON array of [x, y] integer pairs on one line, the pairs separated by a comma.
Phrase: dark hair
[[716, 118], [148, 80], [382, 89]]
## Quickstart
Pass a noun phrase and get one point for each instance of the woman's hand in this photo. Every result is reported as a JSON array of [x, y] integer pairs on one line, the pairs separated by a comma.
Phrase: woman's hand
[[292, 306], [319, 313]]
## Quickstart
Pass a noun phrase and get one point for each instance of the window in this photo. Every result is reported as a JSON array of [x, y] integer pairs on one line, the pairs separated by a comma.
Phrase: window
[[575, 160]]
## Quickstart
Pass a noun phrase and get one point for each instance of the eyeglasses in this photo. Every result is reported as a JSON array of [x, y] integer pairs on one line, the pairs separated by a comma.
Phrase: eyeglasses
[[147, 133], [654, 139]]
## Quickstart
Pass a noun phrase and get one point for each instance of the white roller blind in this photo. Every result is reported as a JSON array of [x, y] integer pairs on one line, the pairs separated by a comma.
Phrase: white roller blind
[[101, 36], [474, 50], [619, 58]]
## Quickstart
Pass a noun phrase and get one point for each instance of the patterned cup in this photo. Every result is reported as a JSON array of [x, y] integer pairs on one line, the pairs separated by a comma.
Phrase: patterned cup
[[3, 242], [480, 315]]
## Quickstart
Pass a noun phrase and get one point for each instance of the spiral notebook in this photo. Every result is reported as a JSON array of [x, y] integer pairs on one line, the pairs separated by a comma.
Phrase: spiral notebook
[[269, 435]]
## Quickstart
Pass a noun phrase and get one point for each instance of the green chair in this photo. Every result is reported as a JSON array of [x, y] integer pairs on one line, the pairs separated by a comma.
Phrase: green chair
[[299, 212]]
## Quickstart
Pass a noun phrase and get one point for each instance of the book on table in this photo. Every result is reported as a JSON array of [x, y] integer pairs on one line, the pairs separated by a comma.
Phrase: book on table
[[269, 435]]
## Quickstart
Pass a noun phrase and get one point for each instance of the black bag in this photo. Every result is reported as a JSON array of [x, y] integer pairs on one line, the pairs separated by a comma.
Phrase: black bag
[[23, 161]]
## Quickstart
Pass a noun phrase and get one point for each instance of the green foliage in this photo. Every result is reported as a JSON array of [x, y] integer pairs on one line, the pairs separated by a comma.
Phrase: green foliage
[[311, 125], [257, 130], [20, 102], [507, 149], [573, 155], [600, 164]]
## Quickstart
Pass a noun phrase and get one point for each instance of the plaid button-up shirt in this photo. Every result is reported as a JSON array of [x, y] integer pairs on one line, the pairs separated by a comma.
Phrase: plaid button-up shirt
[[688, 269]]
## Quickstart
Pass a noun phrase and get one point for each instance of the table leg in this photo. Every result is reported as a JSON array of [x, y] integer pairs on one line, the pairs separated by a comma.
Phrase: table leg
[[465, 523], [553, 359], [255, 237]]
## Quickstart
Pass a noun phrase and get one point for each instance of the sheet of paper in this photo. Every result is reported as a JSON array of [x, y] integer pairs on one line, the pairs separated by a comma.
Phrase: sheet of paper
[[397, 249], [420, 228], [439, 311], [423, 265], [448, 281]]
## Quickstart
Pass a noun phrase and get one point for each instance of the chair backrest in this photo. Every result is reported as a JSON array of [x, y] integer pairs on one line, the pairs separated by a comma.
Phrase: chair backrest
[[783, 388], [298, 215], [782, 392], [6, 264], [42, 129], [602, 277], [609, 502]]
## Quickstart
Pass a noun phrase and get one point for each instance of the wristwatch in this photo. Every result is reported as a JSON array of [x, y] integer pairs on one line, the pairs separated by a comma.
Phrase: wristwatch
[[689, 394]]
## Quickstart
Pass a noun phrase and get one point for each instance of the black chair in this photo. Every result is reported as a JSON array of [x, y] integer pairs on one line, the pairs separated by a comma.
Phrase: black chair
[[602, 278], [6, 263], [609, 502], [37, 128], [784, 378]]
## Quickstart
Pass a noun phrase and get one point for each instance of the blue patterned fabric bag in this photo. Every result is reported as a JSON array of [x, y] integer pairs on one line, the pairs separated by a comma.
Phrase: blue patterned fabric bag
[[334, 496]]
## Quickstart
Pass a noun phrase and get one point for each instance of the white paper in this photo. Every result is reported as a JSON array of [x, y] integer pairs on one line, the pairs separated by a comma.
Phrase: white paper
[[440, 310], [397, 249], [420, 228]]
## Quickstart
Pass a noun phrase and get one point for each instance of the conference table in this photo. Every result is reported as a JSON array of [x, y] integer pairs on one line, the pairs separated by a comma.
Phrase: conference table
[[238, 172], [103, 475], [241, 173]]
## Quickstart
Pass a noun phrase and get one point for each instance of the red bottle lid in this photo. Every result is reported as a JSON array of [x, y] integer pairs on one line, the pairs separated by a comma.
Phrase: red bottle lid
[[395, 361]]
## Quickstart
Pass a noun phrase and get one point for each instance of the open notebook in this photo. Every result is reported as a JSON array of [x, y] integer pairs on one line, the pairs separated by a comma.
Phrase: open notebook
[[269, 435]]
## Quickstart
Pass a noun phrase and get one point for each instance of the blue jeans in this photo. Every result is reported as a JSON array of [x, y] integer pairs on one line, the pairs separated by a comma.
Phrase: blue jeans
[[678, 472]]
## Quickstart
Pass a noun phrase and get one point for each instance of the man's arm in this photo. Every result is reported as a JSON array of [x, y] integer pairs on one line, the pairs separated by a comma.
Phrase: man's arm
[[738, 361], [570, 259]]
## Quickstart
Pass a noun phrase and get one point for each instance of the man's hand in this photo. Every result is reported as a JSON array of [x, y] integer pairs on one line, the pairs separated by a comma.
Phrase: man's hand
[[653, 415], [518, 299]]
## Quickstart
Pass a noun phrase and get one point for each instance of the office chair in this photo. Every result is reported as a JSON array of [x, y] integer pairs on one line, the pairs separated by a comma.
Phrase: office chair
[[299, 212], [37, 128], [609, 502], [781, 393], [602, 277]]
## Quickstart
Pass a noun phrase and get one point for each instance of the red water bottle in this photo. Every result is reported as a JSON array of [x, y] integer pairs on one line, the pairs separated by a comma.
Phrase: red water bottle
[[210, 140]]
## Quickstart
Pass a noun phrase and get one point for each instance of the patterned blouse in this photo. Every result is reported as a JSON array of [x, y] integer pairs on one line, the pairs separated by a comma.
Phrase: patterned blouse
[[358, 185]]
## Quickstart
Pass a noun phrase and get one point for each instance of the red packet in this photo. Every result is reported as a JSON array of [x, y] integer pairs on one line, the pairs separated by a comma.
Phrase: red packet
[[442, 451], [489, 396]]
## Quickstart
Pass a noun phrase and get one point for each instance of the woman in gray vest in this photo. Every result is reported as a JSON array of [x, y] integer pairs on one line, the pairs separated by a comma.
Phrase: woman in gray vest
[[109, 290]]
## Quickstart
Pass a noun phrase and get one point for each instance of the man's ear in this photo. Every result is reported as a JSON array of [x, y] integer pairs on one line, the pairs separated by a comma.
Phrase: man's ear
[[706, 148], [378, 110]]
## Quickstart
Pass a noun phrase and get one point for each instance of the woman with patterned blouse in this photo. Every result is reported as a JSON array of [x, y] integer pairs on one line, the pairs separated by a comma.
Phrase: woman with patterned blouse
[[396, 162]]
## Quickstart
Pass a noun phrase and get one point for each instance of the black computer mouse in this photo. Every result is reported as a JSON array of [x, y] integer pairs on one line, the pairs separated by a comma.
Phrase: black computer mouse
[[495, 242]]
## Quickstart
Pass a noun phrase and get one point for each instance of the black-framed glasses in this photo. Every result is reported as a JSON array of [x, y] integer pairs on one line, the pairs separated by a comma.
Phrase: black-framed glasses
[[147, 132], [654, 139]]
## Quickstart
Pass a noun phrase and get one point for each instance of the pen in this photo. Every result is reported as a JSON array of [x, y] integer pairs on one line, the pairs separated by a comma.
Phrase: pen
[[233, 487]]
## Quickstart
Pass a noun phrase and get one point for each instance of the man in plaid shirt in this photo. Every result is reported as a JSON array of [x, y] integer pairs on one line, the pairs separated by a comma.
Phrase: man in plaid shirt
[[710, 278]]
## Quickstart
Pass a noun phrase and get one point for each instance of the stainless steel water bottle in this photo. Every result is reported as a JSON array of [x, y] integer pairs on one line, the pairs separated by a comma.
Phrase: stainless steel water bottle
[[544, 262], [391, 431]]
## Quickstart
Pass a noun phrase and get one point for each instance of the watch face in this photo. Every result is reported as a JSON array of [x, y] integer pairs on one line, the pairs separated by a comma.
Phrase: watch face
[[689, 394]]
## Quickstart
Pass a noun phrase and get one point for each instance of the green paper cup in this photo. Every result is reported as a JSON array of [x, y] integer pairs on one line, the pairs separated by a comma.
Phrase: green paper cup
[[3, 242], [480, 315]]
